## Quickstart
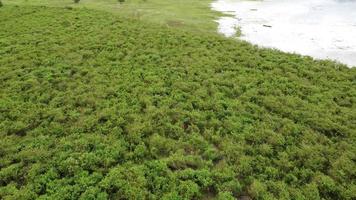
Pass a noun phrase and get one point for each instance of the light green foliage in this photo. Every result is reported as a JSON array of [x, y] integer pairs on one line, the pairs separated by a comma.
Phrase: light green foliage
[[95, 106], [192, 15], [225, 196]]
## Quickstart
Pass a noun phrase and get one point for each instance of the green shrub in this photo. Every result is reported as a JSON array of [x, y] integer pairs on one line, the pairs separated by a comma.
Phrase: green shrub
[[113, 108], [225, 196]]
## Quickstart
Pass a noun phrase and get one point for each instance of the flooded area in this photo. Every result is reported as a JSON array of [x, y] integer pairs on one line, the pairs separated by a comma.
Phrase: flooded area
[[324, 29]]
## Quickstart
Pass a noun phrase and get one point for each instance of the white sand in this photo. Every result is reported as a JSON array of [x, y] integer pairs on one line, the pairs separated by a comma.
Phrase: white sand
[[318, 28]]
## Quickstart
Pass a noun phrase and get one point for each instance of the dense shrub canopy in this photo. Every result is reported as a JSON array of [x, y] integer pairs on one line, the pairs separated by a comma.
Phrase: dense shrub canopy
[[93, 106]]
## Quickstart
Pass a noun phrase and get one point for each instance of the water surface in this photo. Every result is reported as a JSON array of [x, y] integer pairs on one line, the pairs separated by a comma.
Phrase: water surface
[[324, 29]]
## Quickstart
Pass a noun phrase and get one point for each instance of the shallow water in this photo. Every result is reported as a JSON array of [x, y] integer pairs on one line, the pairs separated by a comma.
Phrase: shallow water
[[318, 28]]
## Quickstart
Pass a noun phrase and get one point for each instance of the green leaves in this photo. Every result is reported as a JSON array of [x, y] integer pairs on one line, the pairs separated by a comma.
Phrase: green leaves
[[93, 106]]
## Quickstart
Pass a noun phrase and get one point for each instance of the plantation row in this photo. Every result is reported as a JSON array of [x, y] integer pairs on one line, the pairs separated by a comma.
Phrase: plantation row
[[94, 106]]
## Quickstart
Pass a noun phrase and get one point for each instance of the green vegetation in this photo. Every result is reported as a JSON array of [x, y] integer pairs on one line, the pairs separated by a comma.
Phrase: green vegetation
[[238, 31], [97, 106], [192, 15]]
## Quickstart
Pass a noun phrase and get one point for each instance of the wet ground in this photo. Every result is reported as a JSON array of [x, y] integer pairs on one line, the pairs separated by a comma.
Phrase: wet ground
[[319, 28]]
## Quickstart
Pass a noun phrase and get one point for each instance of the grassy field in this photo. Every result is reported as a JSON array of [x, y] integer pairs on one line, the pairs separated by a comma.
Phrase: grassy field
[[98, 106], [193, 15]]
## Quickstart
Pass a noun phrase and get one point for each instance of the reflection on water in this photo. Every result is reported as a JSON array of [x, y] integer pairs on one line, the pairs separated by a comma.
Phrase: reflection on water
[[319, 28]]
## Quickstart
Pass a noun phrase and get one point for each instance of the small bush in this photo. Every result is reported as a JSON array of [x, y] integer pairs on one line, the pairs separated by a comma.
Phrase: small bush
[[76, 1], [1, 4], [121, 1]]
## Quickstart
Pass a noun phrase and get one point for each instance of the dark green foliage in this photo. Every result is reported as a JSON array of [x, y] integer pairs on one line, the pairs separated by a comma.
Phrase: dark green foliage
[[93, 106], [76, 1], [121, 1], [1, 4]]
